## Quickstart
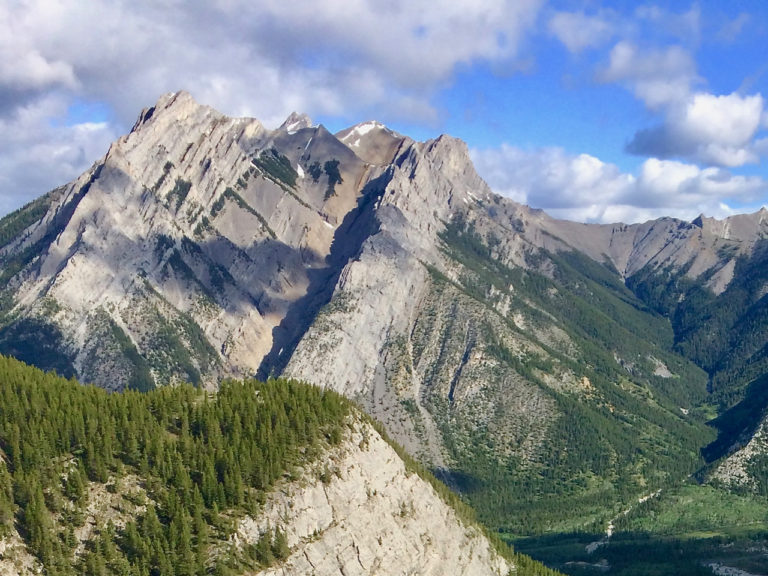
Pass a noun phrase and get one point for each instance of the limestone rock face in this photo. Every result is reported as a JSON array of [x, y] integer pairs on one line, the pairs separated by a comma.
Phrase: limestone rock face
[[369, 515], [734, 471], [372, 141], [703, 246], [15, 559], [177, 255]]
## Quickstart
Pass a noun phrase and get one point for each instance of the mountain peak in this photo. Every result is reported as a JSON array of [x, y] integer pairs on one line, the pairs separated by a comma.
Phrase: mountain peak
[[180, 103], [352, 136], [372, 141], [296, 122]]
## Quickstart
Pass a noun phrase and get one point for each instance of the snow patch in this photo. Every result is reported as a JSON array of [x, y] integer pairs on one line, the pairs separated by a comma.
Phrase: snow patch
[[294, 127], [361, 130]]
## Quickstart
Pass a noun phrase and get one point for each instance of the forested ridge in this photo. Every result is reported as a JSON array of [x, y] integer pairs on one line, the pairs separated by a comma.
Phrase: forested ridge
[[202, 459], [196, 461]]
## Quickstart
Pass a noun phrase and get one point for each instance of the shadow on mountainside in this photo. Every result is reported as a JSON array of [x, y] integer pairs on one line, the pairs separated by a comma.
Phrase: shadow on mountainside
[[358, 225], [738, 424]]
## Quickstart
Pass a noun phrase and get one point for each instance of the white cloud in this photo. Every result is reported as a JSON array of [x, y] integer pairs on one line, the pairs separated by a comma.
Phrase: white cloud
[[681, 184], [659, 77], [695, 125], [241, 51], [34, 153], [583, 188], [714, 130], [354, 58], [579, 31], [730, 120], [414, 43], [550, 178], [22, 65], [32, 70]]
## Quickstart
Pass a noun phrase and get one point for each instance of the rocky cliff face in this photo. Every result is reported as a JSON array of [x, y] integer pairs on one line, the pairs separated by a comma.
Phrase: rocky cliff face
[[218, 240], [182, 250], [364, 512]]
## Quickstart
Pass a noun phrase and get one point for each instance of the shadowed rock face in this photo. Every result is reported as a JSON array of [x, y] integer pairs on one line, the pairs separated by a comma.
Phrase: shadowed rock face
[[203, 246]]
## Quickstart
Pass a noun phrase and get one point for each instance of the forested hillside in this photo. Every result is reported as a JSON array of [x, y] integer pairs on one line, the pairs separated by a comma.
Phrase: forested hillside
[[177, 467], [620, 414], [198, 460], [723, 333]]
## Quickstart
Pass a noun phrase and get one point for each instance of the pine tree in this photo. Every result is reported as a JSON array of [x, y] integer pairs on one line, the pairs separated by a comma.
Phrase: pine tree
[[280, 548]]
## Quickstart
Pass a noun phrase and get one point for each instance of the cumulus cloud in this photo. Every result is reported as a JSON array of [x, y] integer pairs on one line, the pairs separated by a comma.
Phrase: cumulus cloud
[[260, 59], [241, 51], [579, 31], [717, 130], [584, 188], [659, 77], [35, 153], [699, 126]]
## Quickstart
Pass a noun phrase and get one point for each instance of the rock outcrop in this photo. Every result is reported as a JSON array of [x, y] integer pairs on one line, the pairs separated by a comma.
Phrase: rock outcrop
[[361, 511]]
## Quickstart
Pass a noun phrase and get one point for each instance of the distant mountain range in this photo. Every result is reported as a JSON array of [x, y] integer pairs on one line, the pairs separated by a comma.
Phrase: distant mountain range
[[548, 370]]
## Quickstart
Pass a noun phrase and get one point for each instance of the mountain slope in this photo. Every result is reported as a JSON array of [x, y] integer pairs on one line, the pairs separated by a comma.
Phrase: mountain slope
[[181, 250], [157, 488], [546, 369]]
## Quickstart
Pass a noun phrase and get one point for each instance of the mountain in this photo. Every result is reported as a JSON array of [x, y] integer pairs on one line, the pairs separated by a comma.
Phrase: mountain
[[179, 482], [551, 372]]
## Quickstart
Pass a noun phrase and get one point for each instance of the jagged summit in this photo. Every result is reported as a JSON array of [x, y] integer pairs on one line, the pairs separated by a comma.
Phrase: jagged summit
[[197, 221], [221, 226], [372, 141], [351, 136], [296, 122]]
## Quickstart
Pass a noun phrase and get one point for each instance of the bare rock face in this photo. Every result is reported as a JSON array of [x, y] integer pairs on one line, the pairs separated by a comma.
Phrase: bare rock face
[[703, 246], [183, 248], [737, 471], [15, 559], [362, 512], [202, 246]]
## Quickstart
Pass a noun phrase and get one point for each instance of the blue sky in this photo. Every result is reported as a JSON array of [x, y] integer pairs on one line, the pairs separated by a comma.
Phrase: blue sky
[[594, 111]]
